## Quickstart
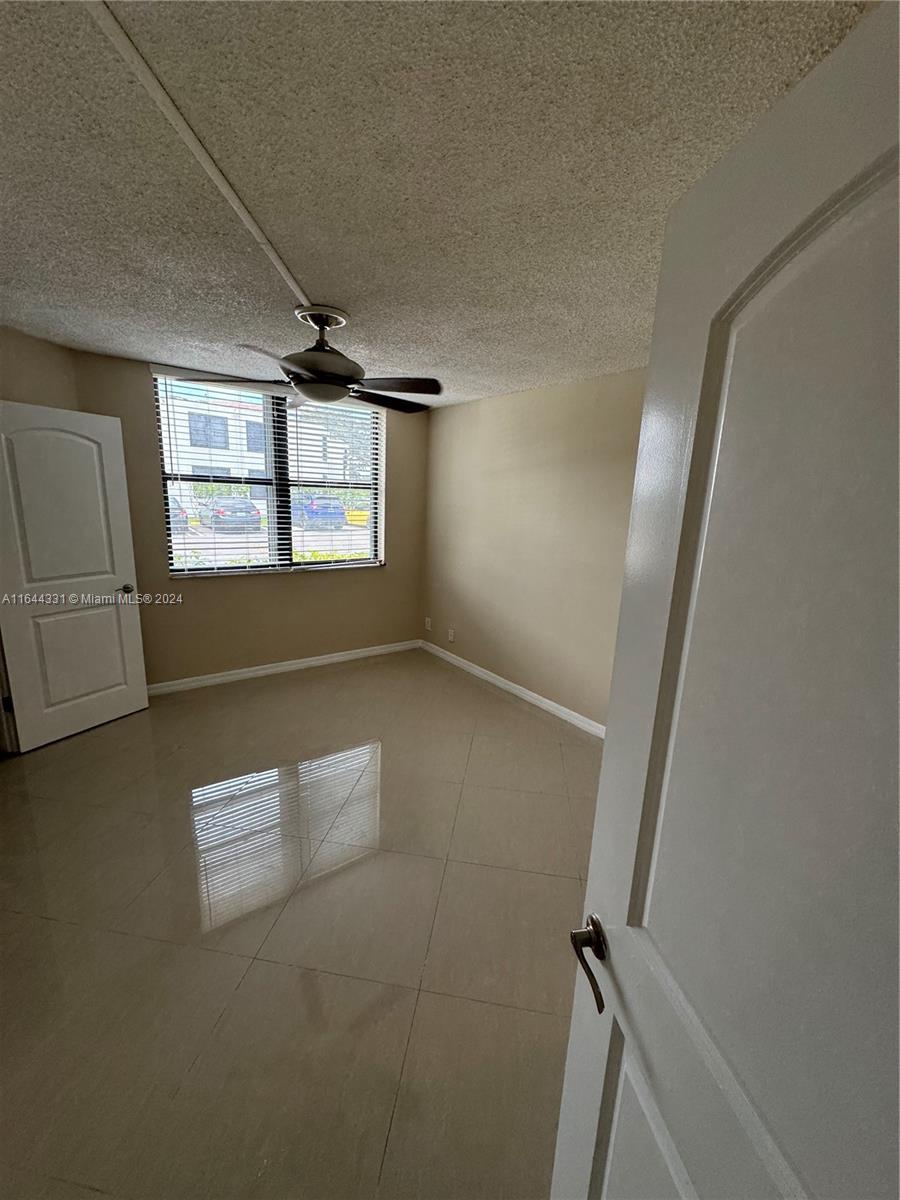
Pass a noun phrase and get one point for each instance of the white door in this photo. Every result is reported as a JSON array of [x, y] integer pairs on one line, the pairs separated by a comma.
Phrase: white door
[[72, 642], [744, 860]]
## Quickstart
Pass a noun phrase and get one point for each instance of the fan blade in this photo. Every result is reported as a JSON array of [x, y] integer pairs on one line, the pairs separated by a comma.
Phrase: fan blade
[[258, 383], [239, 383], [392, 402], [428, 387], [285, 365]]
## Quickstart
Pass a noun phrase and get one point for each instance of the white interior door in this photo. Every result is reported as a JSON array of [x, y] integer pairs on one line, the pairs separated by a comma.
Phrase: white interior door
[[744, 860], [72, 644]]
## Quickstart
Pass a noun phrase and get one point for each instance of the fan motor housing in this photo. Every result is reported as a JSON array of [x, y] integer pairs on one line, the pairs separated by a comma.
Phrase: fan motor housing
[[326, 362]]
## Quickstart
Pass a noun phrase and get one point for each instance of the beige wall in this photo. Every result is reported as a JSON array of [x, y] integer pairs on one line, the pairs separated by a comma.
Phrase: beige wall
[[528, 502], [36, 372], [238, 621]]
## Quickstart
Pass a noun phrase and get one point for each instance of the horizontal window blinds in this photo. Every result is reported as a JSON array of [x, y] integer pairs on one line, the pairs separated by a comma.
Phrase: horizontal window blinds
[[251, 484]]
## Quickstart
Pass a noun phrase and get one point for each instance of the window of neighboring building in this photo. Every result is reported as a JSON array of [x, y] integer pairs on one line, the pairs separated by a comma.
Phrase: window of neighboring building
[[257, 490], [279, 488], [203, 469], [208, 430]]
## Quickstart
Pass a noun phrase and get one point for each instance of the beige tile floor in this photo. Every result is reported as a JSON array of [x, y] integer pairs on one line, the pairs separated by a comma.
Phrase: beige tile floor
[[296, 938]]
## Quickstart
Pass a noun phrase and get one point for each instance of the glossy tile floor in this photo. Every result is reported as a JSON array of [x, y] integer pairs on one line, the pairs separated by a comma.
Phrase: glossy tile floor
[[297, 937]]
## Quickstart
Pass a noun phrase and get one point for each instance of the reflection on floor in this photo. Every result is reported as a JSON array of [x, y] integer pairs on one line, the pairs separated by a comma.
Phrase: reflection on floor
[[300, 937], [254, 854]]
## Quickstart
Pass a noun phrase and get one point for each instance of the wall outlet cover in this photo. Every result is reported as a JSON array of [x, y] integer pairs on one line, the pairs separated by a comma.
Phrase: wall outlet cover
[[428, 623], [451, 635]]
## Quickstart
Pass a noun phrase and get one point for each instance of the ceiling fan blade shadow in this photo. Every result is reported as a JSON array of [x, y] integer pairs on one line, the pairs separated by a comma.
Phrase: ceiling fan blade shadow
[[259, 350], [284, 363], [404, 383], [394, 403]]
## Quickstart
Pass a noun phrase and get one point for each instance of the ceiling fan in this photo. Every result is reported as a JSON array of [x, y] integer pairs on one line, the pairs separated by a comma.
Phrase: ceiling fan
[[322, 373]]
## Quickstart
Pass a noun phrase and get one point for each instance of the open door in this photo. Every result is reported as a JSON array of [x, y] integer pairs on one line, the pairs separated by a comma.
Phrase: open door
[[70, 627], [744, 859]]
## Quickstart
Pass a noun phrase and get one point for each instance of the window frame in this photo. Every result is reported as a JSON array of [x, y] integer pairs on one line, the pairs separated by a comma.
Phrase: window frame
[[277, 477]]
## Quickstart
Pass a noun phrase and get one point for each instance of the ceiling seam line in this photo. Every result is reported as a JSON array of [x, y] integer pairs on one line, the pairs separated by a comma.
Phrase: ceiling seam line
[[143, 72]]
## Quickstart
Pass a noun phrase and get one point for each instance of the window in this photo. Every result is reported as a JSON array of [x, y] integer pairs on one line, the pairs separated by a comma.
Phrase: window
[[304, 492], [256, 436], [207, 430]]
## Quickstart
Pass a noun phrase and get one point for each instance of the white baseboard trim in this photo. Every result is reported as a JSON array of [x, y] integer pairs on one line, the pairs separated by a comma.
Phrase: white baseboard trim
[[276, 668], [323, 660], [550, 706]]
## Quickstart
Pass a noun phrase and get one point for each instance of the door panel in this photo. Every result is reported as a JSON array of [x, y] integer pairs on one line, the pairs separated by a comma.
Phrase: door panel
[[744, 854], [643, 1162], [63, 518], [706, 1124], [775, 834], [80, 653], [73, 650]]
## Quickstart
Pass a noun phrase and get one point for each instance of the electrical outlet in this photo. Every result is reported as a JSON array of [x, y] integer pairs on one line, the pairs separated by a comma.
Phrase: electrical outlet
[[451, 635], [428, 624]]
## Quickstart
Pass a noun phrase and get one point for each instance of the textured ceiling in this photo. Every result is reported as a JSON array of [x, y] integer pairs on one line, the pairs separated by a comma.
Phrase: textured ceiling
[[482, 185]]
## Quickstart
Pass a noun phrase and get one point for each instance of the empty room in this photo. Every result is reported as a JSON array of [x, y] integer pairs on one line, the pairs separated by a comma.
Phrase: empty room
[[449, 600]]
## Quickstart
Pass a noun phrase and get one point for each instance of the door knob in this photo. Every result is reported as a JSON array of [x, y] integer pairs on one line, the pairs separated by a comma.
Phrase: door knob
[[592, 938], [126, 588]]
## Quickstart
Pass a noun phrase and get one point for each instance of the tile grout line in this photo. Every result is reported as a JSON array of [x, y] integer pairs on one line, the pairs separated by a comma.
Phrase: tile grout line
[[170, 862], [573, 828], [206, 1041], [255, 957], [291, 966], [577, 831], [346, 799], [536, 1012], [469, 862], [405, 987], [125, 933], [447, 858], [164, 942], [35, 916], [390, 1126], [387, 1136], [26, 1169]]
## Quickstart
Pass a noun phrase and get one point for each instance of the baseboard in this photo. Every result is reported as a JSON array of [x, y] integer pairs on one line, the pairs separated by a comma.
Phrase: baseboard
[[277, 668], [550, 706], [323, 660]]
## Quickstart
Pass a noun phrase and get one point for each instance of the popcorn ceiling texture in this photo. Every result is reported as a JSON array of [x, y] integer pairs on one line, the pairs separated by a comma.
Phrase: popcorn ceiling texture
[[482, 185]]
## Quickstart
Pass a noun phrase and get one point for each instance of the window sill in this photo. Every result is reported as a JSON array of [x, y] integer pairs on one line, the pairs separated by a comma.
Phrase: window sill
[[297, 570]]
